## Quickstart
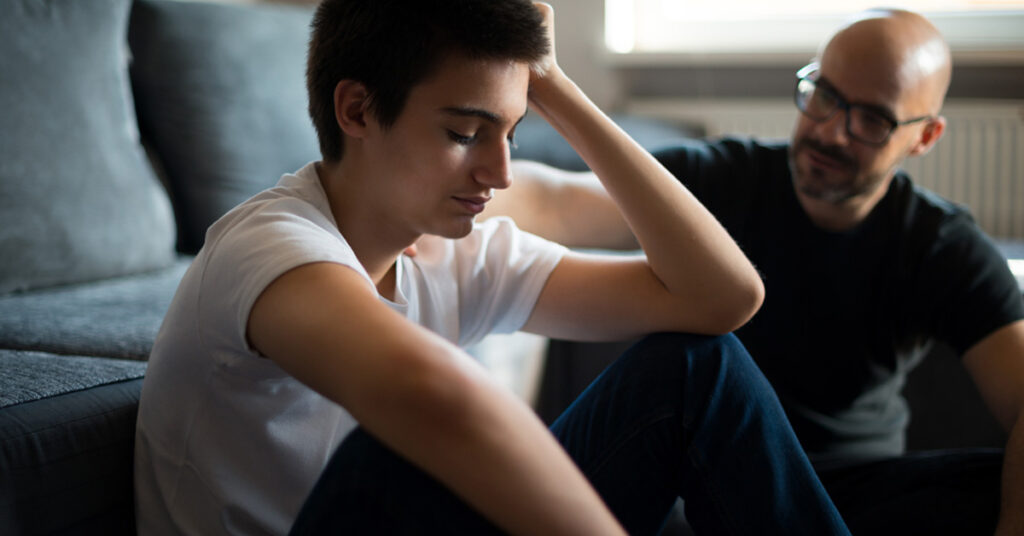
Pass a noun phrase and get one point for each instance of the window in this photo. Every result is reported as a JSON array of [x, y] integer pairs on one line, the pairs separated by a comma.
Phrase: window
[[653, 28]]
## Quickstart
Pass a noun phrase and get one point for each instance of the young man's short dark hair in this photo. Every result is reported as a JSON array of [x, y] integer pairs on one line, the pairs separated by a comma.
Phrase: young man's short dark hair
[[391, 45]]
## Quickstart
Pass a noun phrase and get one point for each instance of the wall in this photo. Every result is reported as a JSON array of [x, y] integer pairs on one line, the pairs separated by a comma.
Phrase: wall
[[579, 44], [579, 26]]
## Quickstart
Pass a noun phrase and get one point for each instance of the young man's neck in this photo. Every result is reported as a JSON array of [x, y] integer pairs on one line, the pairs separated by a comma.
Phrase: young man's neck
[[360, 224]]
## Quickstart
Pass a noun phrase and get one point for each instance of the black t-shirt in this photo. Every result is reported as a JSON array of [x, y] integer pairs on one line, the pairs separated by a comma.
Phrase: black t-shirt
[[846, 315]]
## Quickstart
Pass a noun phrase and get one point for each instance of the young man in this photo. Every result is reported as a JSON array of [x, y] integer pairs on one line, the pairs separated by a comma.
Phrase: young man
[[308, 376], [863, 271]]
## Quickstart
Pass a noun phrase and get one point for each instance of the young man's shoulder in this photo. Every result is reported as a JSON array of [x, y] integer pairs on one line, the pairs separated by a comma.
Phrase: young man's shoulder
[[273, 232], [296, 196]]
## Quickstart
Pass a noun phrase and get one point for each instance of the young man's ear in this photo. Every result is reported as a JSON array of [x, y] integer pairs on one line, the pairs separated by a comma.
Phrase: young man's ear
[[933, 130], [350, 102]]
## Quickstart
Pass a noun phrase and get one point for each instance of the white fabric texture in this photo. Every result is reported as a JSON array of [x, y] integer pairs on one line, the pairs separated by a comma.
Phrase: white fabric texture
[[227, 442]]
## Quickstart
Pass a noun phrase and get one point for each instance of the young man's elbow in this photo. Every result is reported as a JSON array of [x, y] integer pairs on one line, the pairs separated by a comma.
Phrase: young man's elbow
[[734, 309], [753, 296], [748, 300]]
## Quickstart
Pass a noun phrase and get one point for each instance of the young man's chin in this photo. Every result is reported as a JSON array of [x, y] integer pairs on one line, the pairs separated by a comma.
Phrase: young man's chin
[[456, 229]]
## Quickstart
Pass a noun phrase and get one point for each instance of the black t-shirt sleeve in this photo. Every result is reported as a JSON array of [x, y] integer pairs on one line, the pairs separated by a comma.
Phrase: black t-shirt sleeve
[[727, 175], [692, 162], [972, 291], [705, 167]]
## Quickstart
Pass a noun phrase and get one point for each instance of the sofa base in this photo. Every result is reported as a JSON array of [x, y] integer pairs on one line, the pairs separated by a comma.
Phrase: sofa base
[[66, 458]]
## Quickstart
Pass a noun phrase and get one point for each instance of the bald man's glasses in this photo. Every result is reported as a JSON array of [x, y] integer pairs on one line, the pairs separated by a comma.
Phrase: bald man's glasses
[[863, 123]]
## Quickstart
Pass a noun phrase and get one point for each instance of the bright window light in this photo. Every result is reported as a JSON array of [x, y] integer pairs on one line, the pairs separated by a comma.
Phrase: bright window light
[[620, 27], [1017, 267], [793, 26]]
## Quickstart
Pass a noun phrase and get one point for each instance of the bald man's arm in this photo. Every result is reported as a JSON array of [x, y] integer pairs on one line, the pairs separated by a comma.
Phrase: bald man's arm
[[571, 208], [996, 364]]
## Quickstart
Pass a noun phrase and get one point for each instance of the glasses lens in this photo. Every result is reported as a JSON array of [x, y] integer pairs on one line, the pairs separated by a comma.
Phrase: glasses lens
[[869, 126], [817, 103]]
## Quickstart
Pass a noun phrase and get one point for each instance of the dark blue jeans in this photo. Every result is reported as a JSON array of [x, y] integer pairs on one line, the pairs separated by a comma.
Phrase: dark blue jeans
[[675, 416], [948, 492]]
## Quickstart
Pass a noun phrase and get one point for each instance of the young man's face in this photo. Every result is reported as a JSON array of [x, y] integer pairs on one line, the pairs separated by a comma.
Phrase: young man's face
[[449, 148]]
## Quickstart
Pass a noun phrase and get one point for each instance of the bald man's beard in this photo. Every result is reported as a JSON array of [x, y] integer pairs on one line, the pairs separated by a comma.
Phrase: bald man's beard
[[835, 183]]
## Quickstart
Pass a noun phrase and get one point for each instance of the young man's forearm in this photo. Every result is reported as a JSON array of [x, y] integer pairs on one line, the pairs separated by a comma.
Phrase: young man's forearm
[[688, 250]]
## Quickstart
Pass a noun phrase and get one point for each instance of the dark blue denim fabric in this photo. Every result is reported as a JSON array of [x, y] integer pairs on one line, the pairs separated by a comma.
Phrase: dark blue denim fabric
[[942, 492], [675, 416]]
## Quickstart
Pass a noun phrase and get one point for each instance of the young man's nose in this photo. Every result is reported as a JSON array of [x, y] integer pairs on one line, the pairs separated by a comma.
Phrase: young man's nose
[[494, 168]]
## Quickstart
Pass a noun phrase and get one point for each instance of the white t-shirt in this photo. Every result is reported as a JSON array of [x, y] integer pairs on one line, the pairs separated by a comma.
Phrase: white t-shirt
[[227, 442]]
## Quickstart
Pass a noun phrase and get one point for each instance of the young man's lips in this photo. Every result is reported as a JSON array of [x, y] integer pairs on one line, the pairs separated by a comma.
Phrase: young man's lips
[[474, 204]]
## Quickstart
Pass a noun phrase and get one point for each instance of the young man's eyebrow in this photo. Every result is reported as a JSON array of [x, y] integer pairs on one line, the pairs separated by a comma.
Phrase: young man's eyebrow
[[469, 111]]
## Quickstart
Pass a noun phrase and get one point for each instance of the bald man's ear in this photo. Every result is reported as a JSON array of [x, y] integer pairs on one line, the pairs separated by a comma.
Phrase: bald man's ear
[[350, 102], [930, 135]]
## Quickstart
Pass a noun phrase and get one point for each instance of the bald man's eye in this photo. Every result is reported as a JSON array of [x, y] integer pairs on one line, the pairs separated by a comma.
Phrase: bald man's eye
[[824, 100], [869, 124]]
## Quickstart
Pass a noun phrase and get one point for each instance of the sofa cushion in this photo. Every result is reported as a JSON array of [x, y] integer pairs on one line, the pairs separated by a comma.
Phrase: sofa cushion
[[66, 448], [78, 200], [220, 92], [114, 318]]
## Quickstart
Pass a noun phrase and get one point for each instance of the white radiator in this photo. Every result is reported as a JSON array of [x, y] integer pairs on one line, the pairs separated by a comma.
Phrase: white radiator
[[979, 162]]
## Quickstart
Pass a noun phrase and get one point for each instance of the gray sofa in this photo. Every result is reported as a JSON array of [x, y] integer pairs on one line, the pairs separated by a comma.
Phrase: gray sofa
[[95, 231], [127, 128]]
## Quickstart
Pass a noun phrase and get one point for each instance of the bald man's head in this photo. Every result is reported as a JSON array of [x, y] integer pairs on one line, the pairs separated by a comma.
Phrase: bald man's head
[[877, 90], [901, 49]]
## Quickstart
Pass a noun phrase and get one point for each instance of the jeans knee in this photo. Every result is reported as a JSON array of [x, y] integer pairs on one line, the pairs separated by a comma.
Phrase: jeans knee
[[698, 355], [699, 348], [733, 355], [705, 362]]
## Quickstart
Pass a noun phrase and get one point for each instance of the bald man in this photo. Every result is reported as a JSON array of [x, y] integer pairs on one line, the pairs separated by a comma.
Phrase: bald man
[[863, 271]]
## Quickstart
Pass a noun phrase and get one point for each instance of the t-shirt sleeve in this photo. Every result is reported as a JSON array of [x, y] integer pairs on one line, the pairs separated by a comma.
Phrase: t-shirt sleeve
[[501, 272], [727, 175], [692, 162], [712, 168], [973, 292], [245, 258]]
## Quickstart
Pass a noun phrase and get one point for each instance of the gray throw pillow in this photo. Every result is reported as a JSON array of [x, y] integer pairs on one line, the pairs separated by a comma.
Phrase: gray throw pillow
[[220, 93], [78, 199]]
